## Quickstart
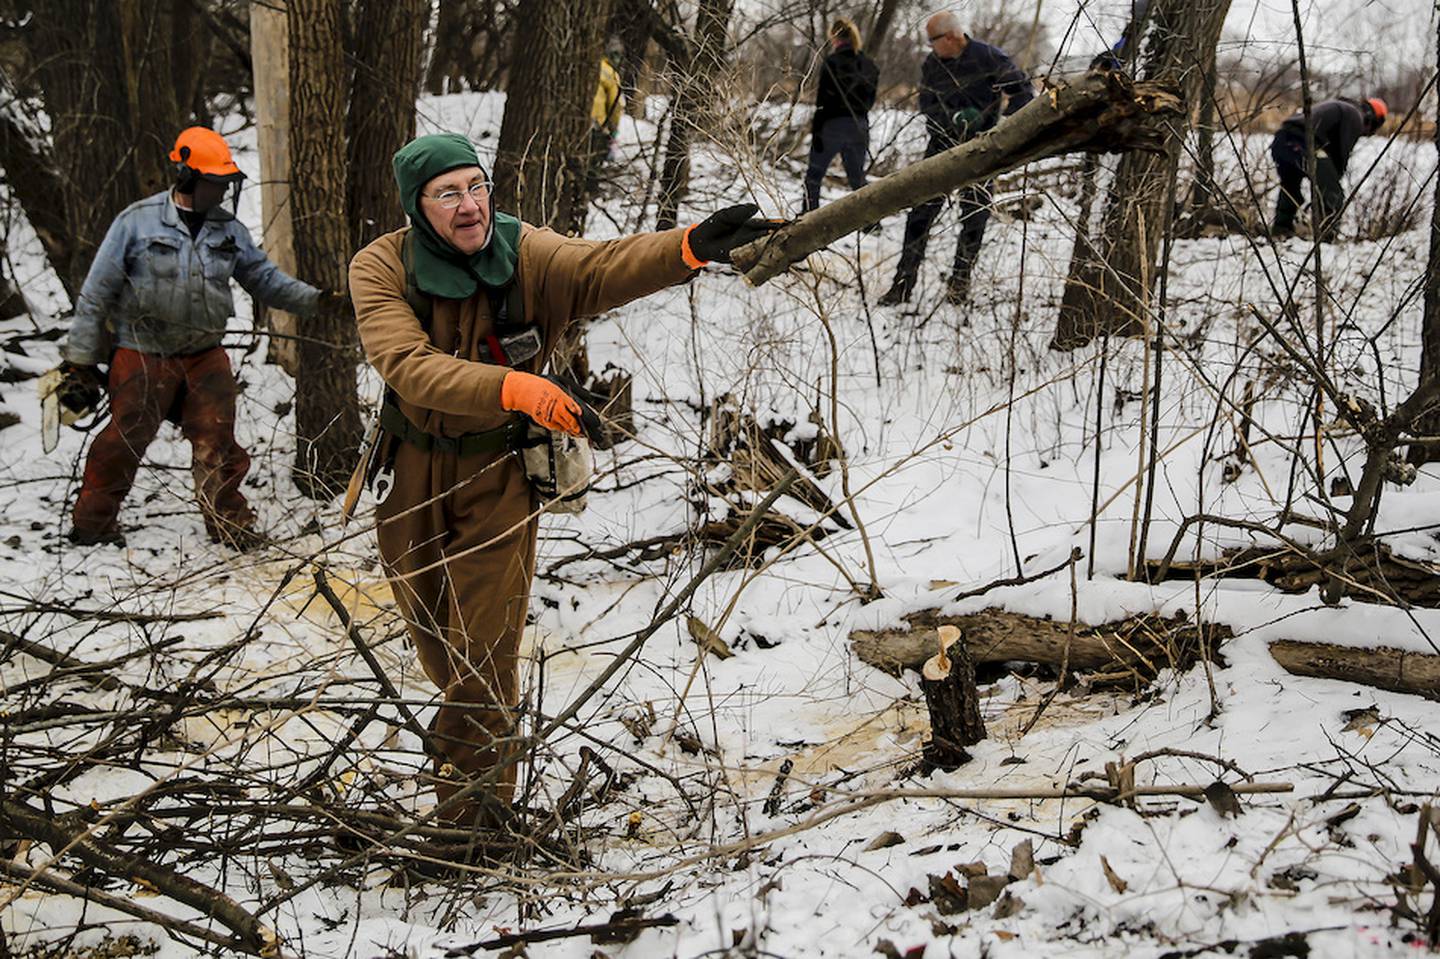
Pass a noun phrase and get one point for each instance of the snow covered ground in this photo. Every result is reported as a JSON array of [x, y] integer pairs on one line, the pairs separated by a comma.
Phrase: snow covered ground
[[952, 480]]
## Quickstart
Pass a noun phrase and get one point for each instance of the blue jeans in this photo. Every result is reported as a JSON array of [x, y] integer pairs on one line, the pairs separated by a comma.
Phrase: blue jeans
[[849, 138]]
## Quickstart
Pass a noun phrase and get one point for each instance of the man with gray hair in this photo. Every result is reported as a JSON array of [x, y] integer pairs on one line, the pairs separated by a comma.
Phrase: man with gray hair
[[965, 87]]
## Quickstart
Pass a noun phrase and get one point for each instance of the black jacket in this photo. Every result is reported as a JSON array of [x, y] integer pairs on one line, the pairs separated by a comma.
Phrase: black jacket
[[848, 83], [977, 78], [1338, 124]]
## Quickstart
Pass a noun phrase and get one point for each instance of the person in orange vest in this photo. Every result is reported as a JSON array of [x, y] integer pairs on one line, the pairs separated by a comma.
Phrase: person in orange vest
[[153, 307]]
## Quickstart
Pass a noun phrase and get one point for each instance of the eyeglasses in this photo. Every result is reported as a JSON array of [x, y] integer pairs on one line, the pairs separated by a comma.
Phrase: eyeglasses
[[451, 199], [937, 38]]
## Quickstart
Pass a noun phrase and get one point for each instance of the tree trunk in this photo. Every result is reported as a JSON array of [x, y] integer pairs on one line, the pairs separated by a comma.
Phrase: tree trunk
[[880, 29], [948, 680], [105, 69], [1098, 111], [270, 54], [544, 149], [1429, 423], [1110, 292], [327, 413], [382, 111], [695, 97], [33, 179]]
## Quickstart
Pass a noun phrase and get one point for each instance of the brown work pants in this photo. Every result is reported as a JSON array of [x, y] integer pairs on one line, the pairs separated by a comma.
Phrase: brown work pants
[[144, 389], [459, 549]]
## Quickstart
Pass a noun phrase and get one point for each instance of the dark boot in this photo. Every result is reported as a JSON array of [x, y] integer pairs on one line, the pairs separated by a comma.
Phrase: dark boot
[[899, 291], [107, 537], [242, 539], [957, 288]]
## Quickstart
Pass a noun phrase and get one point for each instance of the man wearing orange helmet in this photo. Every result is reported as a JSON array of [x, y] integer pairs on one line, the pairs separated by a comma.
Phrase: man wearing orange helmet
[[154, 306], [1337, 126]]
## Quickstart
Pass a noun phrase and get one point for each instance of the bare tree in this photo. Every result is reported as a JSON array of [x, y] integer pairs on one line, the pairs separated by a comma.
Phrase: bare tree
[[327, 413], [694, 98], [381, 118], [544, 150], [107, 73], [1111, 276], [1429, 423]]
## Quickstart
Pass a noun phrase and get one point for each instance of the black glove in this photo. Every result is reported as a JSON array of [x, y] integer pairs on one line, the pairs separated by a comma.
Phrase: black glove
[[336, 300], [80, 387], [714, 237], [590, 423]]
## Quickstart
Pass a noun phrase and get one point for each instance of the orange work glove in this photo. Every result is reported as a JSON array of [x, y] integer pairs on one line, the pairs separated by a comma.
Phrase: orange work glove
[[544, 401]]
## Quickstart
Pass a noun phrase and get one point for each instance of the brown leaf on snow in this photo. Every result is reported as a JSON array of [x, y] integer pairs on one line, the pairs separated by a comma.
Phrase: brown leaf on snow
[[1362, 721], [1116, 883], [986, 889], [947, 895], [1223, 799], [707, 639], [1022, 860], [884, 840]]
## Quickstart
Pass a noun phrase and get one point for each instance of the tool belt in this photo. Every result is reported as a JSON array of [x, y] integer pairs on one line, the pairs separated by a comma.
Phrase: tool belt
[[505, 437]]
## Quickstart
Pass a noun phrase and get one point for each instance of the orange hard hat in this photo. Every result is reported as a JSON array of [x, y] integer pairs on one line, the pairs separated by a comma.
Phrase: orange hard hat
[[206, 152], [1381, 110]]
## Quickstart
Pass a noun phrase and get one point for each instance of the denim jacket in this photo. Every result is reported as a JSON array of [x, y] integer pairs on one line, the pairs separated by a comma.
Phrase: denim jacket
[[163, 292]]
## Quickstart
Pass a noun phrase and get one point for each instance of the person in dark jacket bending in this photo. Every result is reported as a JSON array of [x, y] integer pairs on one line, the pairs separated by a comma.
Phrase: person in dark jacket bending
[[965, 87], [848, 82], [1337, 125]]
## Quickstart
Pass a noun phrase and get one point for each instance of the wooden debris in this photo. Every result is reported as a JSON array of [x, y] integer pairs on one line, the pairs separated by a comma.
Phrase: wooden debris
[[948, 679]]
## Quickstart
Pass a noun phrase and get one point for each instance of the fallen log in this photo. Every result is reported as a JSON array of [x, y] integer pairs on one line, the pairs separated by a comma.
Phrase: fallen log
[[1383, 667], [1139, 646], [1101, 111], [1135, 647]]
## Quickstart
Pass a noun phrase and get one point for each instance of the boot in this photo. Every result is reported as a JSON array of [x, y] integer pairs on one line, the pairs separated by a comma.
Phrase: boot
[[242, 539], [957, 288], [898, 293], [107, 537]]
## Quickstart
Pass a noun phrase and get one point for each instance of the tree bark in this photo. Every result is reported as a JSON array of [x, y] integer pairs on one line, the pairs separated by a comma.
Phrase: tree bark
[[1110, 291], [105, 69], [381, 120], [270, 54], [34, 180], [544, 149], [1429, 423], [953, 702], [880, 29], [327, 412], [1383, 667], [1096, 112], [695, 99]]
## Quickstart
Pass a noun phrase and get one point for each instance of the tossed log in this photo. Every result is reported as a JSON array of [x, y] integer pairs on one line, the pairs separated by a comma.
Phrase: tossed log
[[1101, 111], [948, 679]]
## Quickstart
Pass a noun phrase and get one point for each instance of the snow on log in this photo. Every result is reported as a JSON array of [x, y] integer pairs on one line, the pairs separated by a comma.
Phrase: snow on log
[[1099, 111]]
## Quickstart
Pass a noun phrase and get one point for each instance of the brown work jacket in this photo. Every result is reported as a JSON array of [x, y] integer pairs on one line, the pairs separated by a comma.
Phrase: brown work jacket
[[458, 533]]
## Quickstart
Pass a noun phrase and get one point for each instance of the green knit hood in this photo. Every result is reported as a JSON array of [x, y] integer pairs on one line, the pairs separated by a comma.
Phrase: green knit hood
[[439, 268]]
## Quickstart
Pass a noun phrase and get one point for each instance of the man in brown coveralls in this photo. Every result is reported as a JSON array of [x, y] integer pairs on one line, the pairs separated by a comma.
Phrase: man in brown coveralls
[[457, 534]]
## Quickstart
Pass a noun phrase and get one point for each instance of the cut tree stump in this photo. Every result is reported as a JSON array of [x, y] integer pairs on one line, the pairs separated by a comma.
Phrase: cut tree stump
[[948, 679]]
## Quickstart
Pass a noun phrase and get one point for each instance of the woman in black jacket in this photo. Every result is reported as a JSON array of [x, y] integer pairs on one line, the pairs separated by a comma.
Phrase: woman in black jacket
[[848, 83]]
